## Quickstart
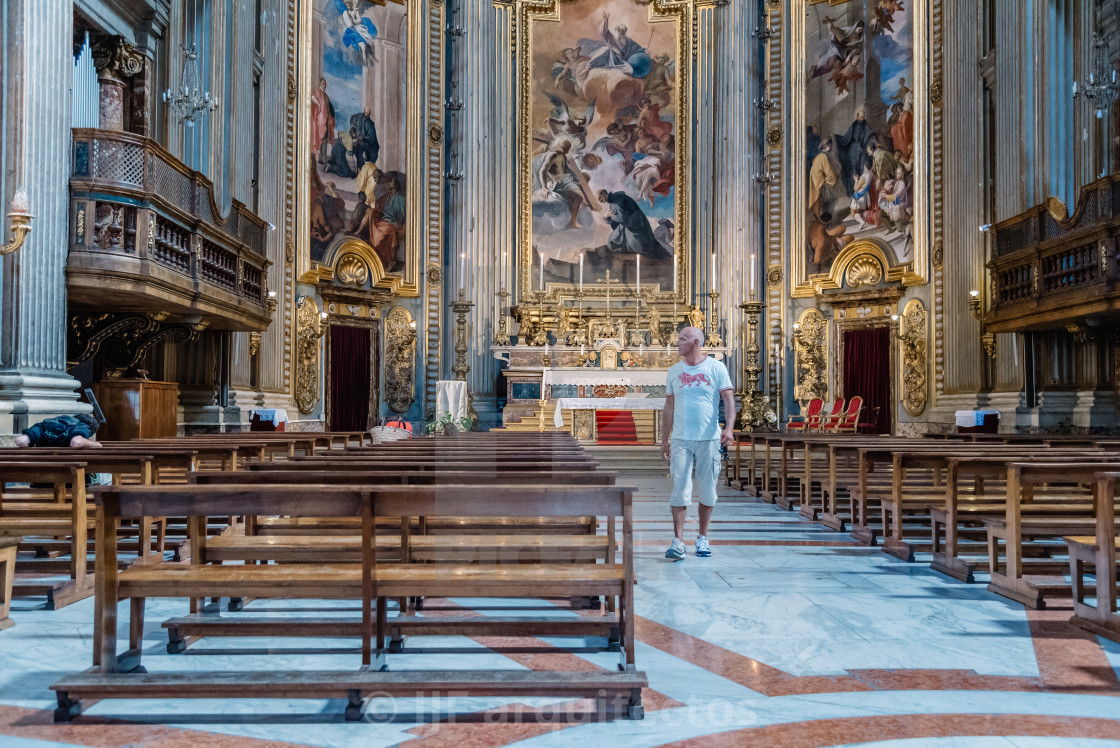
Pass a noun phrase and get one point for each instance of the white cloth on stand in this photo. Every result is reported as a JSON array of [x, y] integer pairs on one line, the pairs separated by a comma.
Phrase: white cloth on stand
[[451, 397]]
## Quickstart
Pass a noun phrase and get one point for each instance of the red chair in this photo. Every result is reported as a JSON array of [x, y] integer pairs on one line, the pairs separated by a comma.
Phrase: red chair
[[835, 413], [846, 421], [809, 420]]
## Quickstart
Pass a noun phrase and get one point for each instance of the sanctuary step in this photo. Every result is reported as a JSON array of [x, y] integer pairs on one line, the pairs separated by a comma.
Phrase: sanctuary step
[[615, 427]]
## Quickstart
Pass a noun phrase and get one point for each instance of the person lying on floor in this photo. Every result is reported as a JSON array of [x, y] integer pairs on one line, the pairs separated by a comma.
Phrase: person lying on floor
[[63, 431]]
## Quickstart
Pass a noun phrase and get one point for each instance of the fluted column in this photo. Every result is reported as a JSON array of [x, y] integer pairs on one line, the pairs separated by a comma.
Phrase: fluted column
[[36, 96], [737, 218], [473, 203]]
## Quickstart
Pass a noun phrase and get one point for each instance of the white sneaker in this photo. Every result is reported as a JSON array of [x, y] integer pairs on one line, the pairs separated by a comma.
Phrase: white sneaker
[[676, 550], [702, 549]]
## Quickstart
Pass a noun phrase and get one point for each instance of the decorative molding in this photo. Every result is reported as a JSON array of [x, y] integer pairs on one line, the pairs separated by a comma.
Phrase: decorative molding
[[865, 270], [351, 270], [254, 343], [123, 339], [936, 91], [114, 56], [400, 360], [308, 332], [435, 275], [810, 355], [774, 137], [774, 275], [915, 357]]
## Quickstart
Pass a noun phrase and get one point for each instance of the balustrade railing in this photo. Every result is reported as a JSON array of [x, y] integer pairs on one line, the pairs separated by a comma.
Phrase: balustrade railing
[[132, 201]]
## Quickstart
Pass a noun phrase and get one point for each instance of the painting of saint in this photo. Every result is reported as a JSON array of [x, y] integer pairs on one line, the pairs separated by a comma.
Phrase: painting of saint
[[357, 124], [860, 129], [603, 171]]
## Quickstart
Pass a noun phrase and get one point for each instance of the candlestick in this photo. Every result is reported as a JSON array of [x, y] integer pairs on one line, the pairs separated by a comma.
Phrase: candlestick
[[461, 367], [755, 412]]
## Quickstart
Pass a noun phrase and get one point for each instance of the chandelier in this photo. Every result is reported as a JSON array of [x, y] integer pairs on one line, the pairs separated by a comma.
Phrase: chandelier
[[1102, 88], [190, 101]]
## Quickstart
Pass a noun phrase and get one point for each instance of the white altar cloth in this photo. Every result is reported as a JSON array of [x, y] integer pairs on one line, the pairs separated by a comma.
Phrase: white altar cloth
[[605, 403], [451, 397]]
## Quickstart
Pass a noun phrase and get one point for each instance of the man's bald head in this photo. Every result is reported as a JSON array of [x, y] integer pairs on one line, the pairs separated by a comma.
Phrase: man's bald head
[[693, 334]]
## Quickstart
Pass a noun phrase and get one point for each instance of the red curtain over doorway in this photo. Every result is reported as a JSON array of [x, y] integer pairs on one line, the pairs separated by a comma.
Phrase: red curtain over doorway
[[350, 378], [867, 373]]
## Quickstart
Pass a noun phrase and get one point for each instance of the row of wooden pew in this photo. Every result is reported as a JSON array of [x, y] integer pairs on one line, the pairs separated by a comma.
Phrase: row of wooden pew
[[1037, 513], [385, 526]]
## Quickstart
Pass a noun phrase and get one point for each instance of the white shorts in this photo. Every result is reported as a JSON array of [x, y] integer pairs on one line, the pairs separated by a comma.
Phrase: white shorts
[[704, 453]]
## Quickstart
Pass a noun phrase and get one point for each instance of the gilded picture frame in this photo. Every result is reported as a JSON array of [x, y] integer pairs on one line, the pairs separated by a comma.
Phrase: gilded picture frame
[[798, 70], [531, 17], [423, 144]]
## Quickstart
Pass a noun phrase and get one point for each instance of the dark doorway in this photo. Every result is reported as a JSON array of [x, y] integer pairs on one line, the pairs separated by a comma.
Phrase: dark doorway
[[867, 373], [350, 378]]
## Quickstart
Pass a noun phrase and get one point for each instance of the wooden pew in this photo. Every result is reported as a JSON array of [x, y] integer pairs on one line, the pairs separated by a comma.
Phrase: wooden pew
[[340, 542], [1099, 551], [1073, 516], [8, 548], [371, 581], [67, 518]]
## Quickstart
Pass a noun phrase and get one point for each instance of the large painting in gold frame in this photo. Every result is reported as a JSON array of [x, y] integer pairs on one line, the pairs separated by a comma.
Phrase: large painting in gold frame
[[388, 41], [859, 108], [612, 80]]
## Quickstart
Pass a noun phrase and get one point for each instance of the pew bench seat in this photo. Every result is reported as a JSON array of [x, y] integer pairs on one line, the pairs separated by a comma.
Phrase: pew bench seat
[[340, 581], [458, 525], [465, 548], [621, 689]]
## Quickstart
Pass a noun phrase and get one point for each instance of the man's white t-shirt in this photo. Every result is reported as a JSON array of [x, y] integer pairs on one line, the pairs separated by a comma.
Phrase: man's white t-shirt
[[695, 391]]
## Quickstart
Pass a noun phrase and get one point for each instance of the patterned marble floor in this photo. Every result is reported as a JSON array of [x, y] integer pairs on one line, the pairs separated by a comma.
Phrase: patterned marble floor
[[789, 635]]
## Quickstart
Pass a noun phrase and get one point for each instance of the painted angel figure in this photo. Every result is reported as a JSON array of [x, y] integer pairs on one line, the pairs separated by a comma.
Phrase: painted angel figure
[[562, 123], [844, 59], [358, 32]]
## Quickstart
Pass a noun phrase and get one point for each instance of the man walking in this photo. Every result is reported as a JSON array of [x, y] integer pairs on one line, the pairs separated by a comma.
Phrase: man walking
[[693, 389]]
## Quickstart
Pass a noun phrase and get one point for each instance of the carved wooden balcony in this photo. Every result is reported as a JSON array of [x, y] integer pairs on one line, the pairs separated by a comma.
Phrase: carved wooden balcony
[[1051, 273], [146, 235]]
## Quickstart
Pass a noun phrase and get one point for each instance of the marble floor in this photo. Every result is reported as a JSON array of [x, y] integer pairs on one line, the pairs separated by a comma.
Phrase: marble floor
[[788, 635]]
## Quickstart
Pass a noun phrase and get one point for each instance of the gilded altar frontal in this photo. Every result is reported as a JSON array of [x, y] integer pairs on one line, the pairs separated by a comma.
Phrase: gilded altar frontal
[[548, 373]]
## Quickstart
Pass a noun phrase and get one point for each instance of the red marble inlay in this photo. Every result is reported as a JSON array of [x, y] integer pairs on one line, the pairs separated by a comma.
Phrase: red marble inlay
[[826, 732]]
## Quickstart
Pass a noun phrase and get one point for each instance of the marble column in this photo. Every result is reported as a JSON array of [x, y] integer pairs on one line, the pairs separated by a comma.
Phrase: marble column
[[38, 39]]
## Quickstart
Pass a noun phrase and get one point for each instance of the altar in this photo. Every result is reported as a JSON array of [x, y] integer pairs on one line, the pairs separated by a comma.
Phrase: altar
[[563, 387]]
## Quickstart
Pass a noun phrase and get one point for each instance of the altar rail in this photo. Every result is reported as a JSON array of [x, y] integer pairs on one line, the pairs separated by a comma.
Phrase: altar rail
[[147, 229], [1048, 273]]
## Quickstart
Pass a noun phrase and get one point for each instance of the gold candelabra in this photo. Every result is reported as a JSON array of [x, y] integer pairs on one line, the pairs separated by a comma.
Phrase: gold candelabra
[[461, 367], [755, 413], [501, 337], [714, 338]]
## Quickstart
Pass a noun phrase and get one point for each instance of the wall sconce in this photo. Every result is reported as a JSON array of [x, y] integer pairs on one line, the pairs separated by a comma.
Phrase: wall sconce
[[270, 301], [987, 339], [975, 304], [323, 326], [19, 220]]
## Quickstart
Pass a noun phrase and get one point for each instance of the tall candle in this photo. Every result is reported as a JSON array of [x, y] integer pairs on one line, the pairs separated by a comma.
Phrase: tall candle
[[462, 270], [1015, 349], [752, 275], [674, 273], [638, 282], [540, 277], [713, 272], [581, 272]]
